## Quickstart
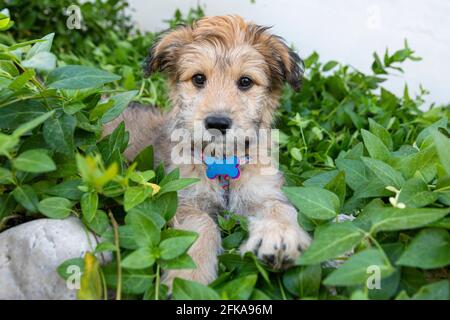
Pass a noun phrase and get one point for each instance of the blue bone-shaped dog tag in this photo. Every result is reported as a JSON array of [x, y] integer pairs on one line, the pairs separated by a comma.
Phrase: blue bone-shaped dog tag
[[226, 166]]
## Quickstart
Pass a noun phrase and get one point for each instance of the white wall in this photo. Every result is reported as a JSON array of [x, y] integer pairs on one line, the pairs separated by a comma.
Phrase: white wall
[[346, 30]]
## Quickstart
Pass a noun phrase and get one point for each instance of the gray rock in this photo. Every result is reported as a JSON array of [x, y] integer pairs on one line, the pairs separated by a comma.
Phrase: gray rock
[[31, 252]]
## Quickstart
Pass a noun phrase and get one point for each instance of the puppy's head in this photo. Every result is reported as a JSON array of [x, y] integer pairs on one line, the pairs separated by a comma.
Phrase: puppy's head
[[224, 73]]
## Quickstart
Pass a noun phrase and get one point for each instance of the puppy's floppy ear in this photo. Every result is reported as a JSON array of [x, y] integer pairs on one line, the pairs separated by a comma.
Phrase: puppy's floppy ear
[[286, 62], [285, 65], [293, 69], [164, 53]]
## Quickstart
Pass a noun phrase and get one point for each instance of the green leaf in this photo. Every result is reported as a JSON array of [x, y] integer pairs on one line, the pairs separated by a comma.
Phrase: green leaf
[[42, 61], [146, 231], [89, 204], [377, 65], [142, 177], [173, 247], [139, 259], [337, 186], [35, 161], [79, 77], [259, 295], [259, 267], [442, 144], [434, 291], [100, 109], [359, 295], [423, 162], [30, 125], [135, 195], [321, 180], [73, 107], [402, 296], [121, 101], [375, 188], [4, 21], [240, 288], [105, 246], [134, 281], [70, 267], [18, 113], [167, 205], [330, 241], [126, 236], [226, 224], [415, 194], [181, 262], [314, 202], [311, 59], [412, 279], [177, 184], [171, 176], [7, 143], [442, 223], [114, 144], [296, 154], [356, 271], [144, 159], [42, 46], [233, 240], [428, 131], [375, 146], [381, 133], [26, 196], [355, 172], [59, 133], [21, 80], [6, 176], [99, 224], [388, 175], [303, 281], [55, 207], [329, 65], [67, 189], [429, 249], [393, 219], [190, 290], [388, 287], [355, 153]]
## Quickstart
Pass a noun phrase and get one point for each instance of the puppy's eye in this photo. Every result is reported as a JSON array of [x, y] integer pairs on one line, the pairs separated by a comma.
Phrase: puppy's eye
[[244, 83], [199, 80]]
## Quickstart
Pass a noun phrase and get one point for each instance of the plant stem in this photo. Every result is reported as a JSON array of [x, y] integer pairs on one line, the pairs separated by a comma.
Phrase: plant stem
[[105, 289], [283, 294], [381, 249], [141, 90], [157, 282], [117, 245], [303, 139]]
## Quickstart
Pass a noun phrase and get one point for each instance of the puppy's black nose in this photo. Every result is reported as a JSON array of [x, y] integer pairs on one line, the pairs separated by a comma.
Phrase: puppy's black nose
[[220, 123]]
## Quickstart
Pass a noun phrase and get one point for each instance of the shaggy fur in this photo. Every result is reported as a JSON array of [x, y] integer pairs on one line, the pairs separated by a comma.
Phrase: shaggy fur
[[224, 49]]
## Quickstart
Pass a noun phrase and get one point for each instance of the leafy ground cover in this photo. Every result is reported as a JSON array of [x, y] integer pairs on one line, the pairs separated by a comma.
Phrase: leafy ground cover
[[348, 146]]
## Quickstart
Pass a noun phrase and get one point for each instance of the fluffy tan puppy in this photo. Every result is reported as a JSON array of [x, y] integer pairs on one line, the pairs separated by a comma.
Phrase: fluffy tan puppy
[[227, 75]]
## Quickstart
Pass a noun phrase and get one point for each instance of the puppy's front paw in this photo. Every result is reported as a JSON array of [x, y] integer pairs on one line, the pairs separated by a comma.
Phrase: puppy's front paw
[[278, 244]]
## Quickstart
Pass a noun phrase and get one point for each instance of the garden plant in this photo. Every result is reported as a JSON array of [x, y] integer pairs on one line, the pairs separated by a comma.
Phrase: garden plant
[[368, 171]]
